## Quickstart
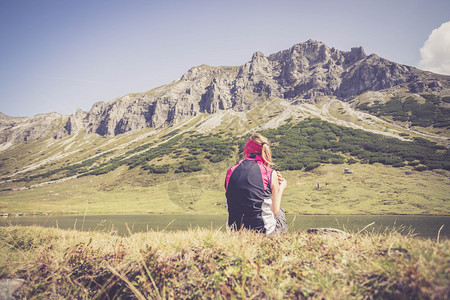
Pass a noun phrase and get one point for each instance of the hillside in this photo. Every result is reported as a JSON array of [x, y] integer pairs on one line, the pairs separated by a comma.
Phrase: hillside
[[167, 150], [180, 168]]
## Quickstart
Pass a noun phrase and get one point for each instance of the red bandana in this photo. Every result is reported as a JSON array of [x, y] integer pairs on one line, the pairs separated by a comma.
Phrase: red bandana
[[252, 147]]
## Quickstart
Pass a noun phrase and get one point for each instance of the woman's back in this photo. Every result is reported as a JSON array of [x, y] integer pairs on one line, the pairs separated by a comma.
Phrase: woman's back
[[254, 190], [248, 192]]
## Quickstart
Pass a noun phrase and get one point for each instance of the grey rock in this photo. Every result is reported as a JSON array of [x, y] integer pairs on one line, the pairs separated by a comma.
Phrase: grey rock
[[372, 73], [302, 73], [8, 287], [332, 231], [348, 171], [17, 129]]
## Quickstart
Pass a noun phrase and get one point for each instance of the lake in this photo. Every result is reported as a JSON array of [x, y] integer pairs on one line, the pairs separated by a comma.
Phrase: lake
[[423, 226]]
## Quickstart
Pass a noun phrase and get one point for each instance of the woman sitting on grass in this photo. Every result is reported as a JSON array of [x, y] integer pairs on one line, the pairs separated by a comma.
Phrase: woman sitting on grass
[[254, 190]]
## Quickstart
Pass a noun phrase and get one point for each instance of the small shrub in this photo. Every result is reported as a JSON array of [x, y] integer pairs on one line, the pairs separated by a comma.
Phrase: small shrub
[[312, 167], [351, 161], [337, 161], [413, 163], [432, 166], [399, 165], [190, 166], [162, 169], [216, 158], [421, 168]]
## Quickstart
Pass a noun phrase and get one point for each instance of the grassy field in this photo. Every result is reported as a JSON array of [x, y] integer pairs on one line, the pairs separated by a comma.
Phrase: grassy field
[[55, 176], [201, 263], [371, 189]]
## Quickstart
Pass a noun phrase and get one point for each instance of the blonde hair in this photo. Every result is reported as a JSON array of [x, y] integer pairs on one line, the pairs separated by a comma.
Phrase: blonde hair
[[266, 153]]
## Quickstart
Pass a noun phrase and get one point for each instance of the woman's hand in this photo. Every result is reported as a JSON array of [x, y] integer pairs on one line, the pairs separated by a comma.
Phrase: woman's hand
[[281, 181]]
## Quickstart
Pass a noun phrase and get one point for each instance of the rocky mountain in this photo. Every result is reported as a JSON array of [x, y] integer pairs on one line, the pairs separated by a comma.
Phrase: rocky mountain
[[304, 73], [25, 129]]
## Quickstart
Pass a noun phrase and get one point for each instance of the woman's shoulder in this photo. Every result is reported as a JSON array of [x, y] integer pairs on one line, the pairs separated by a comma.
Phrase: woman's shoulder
[[234, 166], [268, 168]]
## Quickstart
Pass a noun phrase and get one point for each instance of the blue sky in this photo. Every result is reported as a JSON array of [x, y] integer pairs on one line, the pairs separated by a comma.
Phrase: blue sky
[[60, 55]]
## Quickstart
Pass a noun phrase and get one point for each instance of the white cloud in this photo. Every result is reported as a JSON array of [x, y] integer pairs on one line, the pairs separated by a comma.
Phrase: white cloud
[[435, 53]]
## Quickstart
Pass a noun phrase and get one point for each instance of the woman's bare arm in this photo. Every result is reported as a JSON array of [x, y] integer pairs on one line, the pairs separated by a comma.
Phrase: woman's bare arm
[[278, 186]]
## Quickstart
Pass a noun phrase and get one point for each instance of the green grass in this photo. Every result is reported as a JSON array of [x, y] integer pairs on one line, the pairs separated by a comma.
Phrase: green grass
[[371, 189], [201, 263], [112, 193], [337, 110], [422, 123], [129, 187]]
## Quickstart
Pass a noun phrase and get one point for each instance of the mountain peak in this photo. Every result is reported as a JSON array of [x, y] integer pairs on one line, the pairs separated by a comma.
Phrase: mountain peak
[[358, 52], [311, 42], [257, 55], [303, 73]]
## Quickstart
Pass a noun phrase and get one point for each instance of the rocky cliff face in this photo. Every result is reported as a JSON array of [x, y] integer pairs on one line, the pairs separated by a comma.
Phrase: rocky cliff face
[[25, 129], [301, 73]]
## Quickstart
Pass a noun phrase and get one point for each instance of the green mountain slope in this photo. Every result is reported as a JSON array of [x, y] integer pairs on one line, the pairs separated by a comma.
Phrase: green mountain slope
[[181, 168]]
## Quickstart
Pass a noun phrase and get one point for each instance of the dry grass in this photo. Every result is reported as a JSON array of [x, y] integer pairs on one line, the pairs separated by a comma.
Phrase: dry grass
[[202, 263]]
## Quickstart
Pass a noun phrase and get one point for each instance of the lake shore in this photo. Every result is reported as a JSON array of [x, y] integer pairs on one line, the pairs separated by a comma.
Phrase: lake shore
[[6, 215], [58, 263], [420, 225]]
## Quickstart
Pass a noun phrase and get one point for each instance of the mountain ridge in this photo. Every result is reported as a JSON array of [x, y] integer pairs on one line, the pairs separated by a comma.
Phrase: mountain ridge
[[304, 73]]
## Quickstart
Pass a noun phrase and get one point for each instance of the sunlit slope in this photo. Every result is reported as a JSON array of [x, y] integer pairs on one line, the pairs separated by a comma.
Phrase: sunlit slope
[[371, 189], [181, 168]]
